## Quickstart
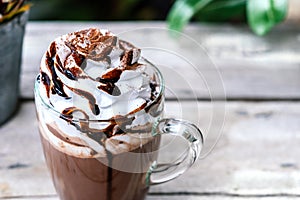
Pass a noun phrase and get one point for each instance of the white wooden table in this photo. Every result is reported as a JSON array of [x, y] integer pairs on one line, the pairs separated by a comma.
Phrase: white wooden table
[[257, 155]]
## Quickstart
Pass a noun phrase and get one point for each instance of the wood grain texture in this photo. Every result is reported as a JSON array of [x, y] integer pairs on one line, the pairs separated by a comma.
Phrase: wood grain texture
[[174, 197], [257, 153], [207, 62], [256, 156]]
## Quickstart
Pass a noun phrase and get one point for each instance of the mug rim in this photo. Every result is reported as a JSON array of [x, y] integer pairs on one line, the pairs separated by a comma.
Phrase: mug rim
[[76, 120]]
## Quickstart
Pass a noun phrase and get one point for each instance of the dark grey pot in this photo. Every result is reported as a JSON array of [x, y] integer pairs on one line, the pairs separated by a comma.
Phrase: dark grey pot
[[11, 41]]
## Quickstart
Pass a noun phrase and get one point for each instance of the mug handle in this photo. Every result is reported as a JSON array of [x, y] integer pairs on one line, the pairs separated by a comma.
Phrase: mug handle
[[163, 172]]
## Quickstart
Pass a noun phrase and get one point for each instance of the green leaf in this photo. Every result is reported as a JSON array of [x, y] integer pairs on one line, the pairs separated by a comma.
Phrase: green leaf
[[182, 11], [223, 10], [262, 15]]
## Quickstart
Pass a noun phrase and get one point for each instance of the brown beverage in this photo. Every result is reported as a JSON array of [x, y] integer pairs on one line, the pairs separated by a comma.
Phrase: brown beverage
[[99, 107], [84, 178]]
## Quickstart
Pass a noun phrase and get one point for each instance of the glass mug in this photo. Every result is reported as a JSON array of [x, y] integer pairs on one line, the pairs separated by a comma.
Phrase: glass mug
[[80, 172]]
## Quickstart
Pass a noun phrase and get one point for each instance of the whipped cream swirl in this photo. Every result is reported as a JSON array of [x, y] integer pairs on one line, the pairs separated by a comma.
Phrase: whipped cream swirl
[[93, 75]]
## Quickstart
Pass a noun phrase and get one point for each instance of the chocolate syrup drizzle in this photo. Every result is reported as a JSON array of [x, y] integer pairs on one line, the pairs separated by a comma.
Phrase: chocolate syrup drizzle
[[92, 50], [57, 87]]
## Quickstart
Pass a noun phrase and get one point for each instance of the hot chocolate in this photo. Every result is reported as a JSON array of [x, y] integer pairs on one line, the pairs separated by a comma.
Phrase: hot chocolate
[[99, 107], [97, 104]]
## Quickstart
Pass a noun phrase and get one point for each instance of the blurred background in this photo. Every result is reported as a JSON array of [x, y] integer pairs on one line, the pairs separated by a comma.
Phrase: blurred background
[[100, 9]]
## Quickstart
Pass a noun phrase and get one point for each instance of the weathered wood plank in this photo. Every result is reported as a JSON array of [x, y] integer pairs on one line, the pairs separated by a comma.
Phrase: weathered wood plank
[[175, 197], [258, 153], [241, 64], [213, 197], [32, 198], [46, 197]]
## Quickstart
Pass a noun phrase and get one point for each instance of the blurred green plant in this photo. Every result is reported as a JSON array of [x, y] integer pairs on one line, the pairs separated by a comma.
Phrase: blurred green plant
[[261, 15], [11, 8]]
